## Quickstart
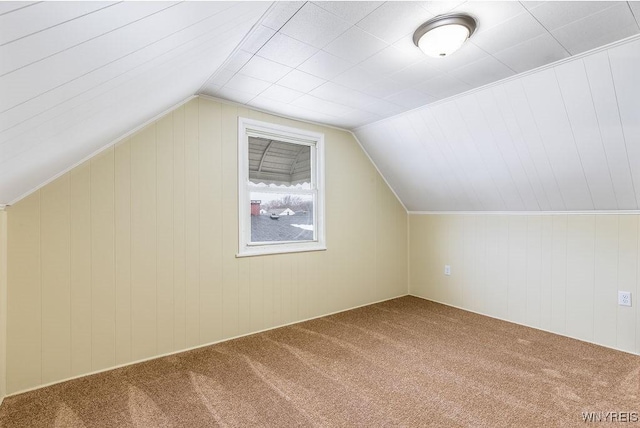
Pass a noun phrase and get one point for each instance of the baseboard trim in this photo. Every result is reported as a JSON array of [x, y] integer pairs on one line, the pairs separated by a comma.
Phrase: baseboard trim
[[524, 325], [195, 347]]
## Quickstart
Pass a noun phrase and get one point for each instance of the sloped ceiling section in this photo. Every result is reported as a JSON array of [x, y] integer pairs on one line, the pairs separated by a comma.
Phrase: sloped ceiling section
[[563, 138], [352, 63], [76, 75]]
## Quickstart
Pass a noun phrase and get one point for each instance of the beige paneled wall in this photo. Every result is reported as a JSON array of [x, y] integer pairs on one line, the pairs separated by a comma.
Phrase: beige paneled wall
[[3, 304], [555, 272], [132, 254]]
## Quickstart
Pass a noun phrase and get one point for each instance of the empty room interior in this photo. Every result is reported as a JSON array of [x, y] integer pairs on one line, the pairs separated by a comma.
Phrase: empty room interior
[[322, 214]]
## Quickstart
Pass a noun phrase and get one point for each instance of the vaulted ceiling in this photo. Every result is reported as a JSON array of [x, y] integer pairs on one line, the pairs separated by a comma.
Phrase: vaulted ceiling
[[75, 76]]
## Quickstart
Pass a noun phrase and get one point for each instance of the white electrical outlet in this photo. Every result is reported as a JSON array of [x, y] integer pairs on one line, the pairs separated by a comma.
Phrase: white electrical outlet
[[447, 270], [624, 298]]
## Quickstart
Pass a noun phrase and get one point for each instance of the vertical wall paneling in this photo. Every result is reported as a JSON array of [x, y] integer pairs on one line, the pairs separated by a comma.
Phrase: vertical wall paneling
[[517, 291], [628, 281], [81, 310], [56, 280], [102, 261], [546, 287], [165, 275], [558, 272], [144, 244], [3, 304], [133, 253], [606, 279], [179, 230], [192, 224], [122, 217], [580, 275], [534, 270], [497, 259], [24, 314]]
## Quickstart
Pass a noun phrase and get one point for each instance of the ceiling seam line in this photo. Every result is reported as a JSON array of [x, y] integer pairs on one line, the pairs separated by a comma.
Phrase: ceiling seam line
[[55, 25], [637, 18], [573, 137], [606, 157], [20, 8], [624, 137], [547, 30], [103, 83]]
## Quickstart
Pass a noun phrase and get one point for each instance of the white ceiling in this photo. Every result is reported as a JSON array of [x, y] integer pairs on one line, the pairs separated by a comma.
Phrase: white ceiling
[[74, 76], [563, 138], [352, 63]]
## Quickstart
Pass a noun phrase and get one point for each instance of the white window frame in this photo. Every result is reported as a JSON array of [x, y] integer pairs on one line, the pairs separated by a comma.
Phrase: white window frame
[[254, 128]]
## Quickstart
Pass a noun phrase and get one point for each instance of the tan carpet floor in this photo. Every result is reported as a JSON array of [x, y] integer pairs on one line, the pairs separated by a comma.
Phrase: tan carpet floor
[[405, 362]]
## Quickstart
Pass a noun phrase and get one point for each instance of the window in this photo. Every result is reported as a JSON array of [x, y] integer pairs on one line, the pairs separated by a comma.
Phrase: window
[[281, 189]]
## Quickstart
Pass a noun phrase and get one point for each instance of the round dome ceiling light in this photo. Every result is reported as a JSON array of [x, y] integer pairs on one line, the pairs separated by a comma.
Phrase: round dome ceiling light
[[443, 35]]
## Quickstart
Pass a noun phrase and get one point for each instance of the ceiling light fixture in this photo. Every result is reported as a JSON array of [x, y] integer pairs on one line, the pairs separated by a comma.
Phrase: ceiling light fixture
[[443, 35]]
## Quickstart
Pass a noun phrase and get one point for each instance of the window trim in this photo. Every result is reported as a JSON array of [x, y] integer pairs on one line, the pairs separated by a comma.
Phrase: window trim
[[250, 127]]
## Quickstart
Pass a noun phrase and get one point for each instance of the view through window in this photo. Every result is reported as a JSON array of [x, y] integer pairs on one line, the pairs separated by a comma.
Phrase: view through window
[[281, 199]]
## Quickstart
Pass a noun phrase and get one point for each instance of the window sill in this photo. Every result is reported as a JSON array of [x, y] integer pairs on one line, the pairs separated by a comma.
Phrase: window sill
[[270, 250]]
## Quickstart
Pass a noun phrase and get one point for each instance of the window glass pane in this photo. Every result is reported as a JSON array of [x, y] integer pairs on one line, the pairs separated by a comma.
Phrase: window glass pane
[[276, 163], [278, 217]]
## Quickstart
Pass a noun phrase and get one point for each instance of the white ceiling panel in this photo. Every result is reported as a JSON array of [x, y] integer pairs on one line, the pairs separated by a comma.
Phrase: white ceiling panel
[[561, 138], [286, 50], [605, 101], [23, 22], [44, 44], [560, 13], [314, 26], [532, 53], [549, 112], [258, 38], [11, 6], [350, 11], [483, 71], [325, 65], [281, 94], [394, 19], [577, 100], [497, 120], [514, 31], [355, 45], [625, 69], [264, 69], [28, 113], [609, 25], [300, 81], [484, 142]]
